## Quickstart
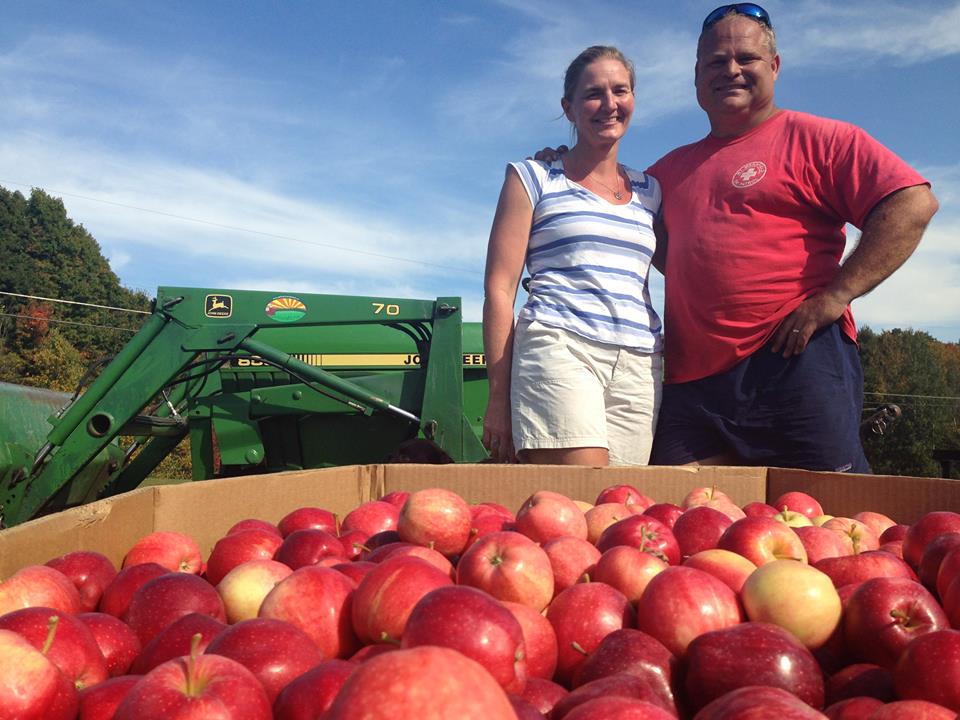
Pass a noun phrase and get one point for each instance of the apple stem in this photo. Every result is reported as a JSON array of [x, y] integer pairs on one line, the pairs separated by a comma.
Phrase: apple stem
[[387, 638], [192, 663], [52, 625], [578, 647]]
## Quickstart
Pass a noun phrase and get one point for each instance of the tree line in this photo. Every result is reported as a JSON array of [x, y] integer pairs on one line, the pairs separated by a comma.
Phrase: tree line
[[52, 345]]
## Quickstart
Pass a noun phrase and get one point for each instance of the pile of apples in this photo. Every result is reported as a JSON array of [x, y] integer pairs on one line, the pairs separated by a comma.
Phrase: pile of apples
[[423, 606]]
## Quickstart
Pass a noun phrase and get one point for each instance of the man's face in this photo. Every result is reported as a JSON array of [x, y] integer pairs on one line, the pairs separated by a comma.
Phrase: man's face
[[735, 71]]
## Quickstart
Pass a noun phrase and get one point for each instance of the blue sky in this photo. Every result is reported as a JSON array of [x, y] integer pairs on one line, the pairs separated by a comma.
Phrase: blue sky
[[358, 148]]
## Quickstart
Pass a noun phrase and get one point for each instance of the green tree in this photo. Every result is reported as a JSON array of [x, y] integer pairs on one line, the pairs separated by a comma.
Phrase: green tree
[[916, 372]]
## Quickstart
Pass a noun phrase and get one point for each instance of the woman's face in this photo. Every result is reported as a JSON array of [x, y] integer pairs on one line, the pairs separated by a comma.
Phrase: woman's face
[[602, 102]]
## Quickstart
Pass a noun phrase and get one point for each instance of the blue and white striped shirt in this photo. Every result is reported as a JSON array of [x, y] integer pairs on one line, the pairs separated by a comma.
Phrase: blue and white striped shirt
[[589, 259]]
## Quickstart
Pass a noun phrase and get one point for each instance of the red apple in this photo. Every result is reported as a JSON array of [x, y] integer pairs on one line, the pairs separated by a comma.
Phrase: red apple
[[799, 502], [751, 653], [926, 529], [794, 519], [851, 569], [436, 518], [386, 596], [623, 708], [509, 566], [486, 509], [759, 509], [397, 498], [486, 524], [275, 652], [196, 687], [254, 524], [543, 694], [308, 547], [39, 586], [619, 685], [761, 540], [473, 623], [89, 571], [933, 555], [894, 532], [758, 702], [860, 680], [724, 565], [117, 595], [644, 533], [31, 686], [318, 601], [914, 710], [118, 643], [951, 603], [371, 517], [699, 528], [426, 554], [72, 648], [821, 543], [602, 516], [885, 614], [173, 550], [948, 570], [682, 603], [523, 709], [308, 518], [855, 708], [572, 560], [929, 669], [627, 569], [237, 548], [100, 702], [244, 588], [353, 542], [635, 653], [539, 638], [193, 631], [310, 695], [703, 495], [582, 615], [860, 536], [167, 598], [878, 522], [422, 682], [667, 513], [795, 596], [626, 495], [546, 515]]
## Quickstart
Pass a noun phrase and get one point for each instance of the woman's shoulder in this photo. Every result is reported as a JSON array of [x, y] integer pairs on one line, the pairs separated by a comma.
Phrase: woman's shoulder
[[644, 185]]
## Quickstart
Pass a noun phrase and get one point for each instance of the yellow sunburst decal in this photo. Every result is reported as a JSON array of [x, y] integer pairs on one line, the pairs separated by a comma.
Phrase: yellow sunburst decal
[[285, 309]]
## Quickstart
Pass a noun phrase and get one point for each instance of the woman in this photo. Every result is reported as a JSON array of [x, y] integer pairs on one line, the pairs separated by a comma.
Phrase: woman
[[578, 380]]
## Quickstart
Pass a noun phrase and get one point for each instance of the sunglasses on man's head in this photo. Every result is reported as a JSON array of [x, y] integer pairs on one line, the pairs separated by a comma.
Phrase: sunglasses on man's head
[[748, 9]]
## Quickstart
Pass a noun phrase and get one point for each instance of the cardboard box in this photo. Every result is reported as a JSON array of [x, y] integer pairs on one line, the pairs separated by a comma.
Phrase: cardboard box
[[205, 510]]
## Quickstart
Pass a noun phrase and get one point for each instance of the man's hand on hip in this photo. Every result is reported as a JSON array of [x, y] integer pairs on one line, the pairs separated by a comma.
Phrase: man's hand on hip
[[796, 329]]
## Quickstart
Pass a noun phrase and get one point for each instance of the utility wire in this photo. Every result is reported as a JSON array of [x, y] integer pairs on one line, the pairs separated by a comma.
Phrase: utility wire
[[907, 395], [67, 322], [237, 228], [75, 302]]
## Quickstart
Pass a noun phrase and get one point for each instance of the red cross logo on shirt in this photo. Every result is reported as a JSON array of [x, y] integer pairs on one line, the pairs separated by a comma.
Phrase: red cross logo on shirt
[[749, 174]]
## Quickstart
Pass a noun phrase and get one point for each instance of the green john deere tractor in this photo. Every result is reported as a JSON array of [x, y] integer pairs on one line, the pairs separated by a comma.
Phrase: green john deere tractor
[[261, 382]]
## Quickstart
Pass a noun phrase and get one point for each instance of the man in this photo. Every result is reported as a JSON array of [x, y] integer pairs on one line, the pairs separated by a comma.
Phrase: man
[[761, 362]]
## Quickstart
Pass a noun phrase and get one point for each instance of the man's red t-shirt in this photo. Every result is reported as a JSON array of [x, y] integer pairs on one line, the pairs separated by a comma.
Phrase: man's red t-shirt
[[755, 226]]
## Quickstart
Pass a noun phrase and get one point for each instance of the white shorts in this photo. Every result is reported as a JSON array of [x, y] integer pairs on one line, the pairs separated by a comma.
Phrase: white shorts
[[567, 391]]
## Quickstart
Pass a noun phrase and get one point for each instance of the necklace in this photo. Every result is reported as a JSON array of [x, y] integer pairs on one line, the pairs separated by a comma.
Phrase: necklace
[[616, 191]]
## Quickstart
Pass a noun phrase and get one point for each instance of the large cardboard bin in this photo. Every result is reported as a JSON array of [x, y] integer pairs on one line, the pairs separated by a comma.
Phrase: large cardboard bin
[[205, 510]]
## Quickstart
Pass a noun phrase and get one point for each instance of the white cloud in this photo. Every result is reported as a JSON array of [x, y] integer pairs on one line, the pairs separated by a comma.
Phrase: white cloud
[[821, 33]]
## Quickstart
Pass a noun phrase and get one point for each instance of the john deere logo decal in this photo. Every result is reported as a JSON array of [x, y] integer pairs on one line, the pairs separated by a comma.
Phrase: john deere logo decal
[[218, 306], [285, 309]]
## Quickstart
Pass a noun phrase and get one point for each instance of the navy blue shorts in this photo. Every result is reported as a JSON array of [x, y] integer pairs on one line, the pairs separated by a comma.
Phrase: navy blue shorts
[[801, 412]]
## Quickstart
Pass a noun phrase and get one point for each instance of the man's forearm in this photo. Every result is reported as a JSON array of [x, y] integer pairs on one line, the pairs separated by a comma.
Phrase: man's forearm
[[890, 234]]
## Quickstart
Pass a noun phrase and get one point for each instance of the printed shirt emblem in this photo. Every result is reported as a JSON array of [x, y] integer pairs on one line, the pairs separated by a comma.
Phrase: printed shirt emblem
[[749, 174]]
